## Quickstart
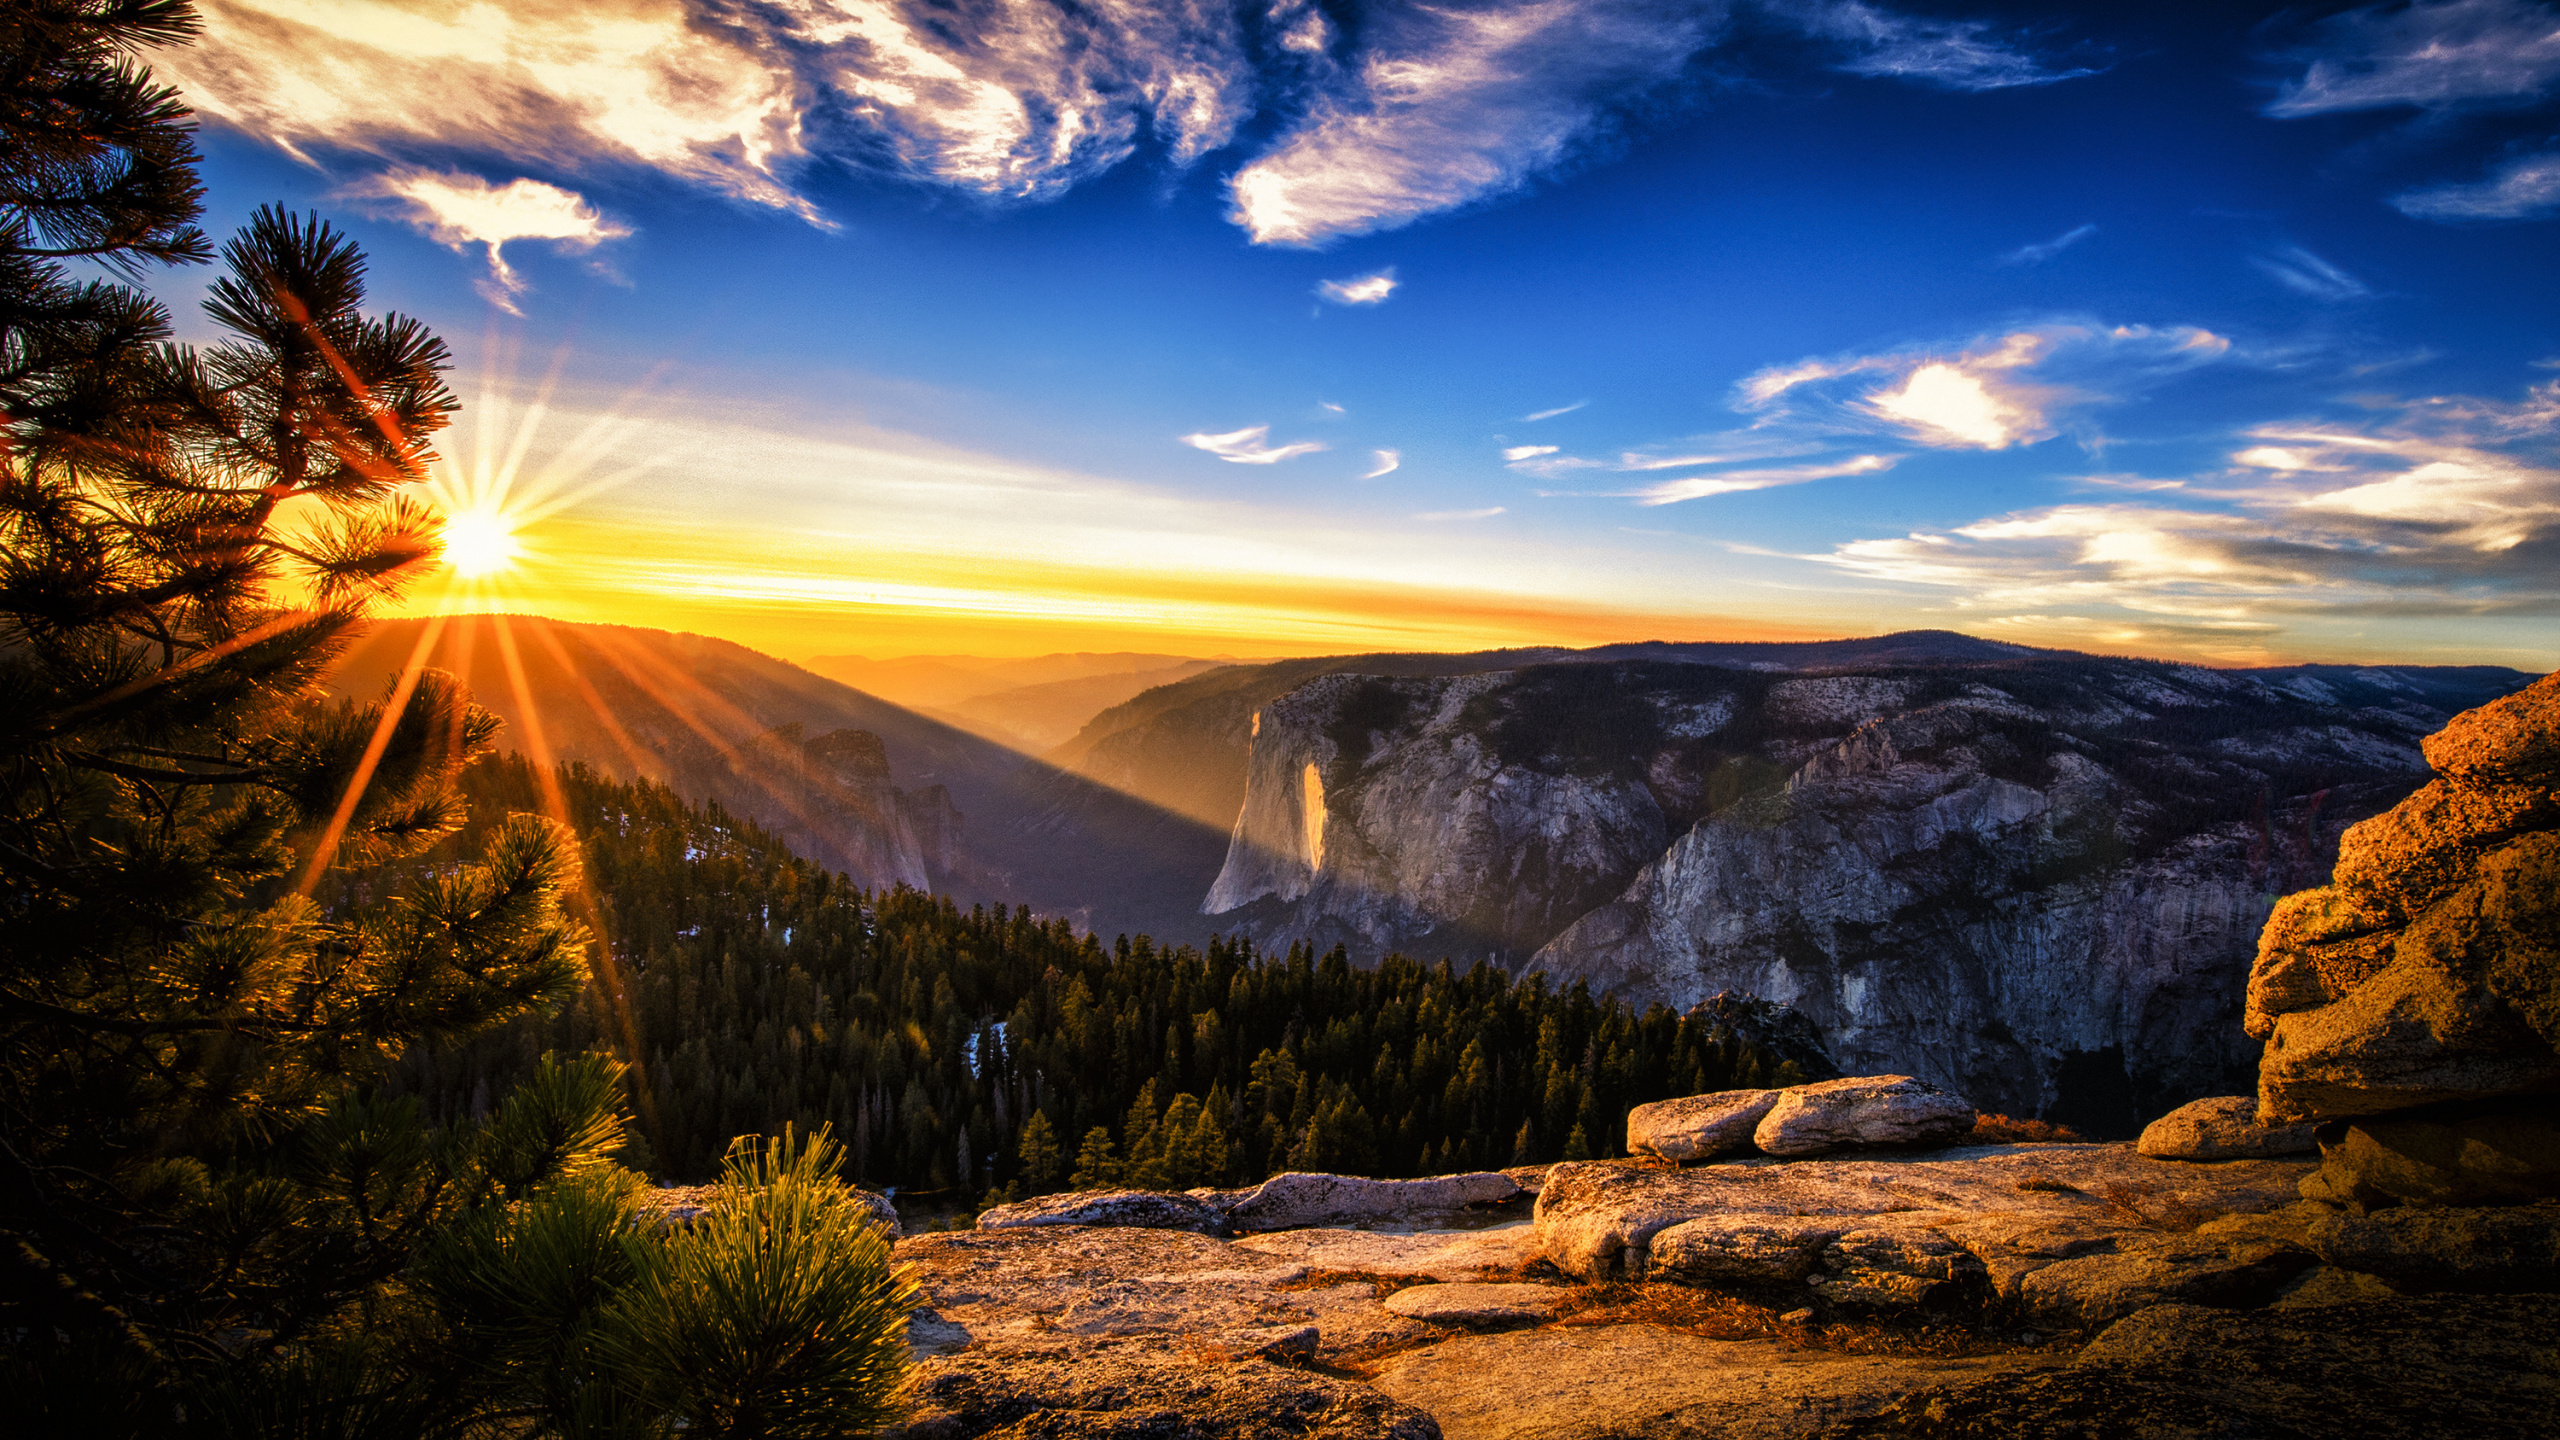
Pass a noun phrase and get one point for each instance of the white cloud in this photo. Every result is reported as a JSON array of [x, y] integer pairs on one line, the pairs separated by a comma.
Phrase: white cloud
[[1485, 514], [1949, 54], [1996, 392], [1370, 289], [1513, 455], [1551, 414], [1732, 482], [459, 210], [2301, 271], [565, 85], [2042, 251], [2430, 56], [1247, 447], [1424, 108], [2520, 189], [1449, 106], [2448, 507], [1387, 461]]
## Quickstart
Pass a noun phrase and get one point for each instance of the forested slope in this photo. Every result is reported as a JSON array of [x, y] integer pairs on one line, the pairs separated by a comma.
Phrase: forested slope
[[754, 988]]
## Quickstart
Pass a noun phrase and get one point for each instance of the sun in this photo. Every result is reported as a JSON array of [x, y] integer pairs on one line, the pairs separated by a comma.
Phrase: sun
[[479, 543]]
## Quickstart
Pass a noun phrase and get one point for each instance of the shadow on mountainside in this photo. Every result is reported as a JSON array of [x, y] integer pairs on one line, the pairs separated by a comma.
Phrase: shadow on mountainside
[[698, 714]]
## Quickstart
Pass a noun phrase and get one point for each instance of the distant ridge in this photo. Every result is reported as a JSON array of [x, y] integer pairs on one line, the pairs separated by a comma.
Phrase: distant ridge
[[687, 710]]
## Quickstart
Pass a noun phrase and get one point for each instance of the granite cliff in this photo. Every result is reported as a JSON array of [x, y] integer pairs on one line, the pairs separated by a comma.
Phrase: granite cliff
[[2036, 881]]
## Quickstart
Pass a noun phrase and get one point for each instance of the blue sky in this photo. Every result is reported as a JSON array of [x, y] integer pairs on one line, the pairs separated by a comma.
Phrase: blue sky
[[2210, 332]]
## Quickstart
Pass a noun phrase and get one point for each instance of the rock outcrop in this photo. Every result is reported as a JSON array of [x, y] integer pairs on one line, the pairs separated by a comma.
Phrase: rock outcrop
[[1297, 1201], [1699, 1127], [2070, 1235], [1861, 1112], [2038, 884], [1132, 1209], [2222, 1127], [2414, 1001]]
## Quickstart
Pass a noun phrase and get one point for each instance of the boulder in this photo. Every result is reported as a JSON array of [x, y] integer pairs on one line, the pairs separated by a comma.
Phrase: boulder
[[1698, 1127], [2426, 975], [1130, 1209], [1145, 1395], [2016, 1208], [1476, 1305], [1742, 1249], [1865, 1110], [2510, 1248], [2224, 1127], [1296, 1200], [2493, 1153]]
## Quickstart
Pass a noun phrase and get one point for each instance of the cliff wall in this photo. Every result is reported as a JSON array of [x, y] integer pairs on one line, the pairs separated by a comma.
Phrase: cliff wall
[[2037, 883]]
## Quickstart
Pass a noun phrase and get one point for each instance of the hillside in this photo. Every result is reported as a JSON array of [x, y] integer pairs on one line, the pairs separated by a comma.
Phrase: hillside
[[982, 821]]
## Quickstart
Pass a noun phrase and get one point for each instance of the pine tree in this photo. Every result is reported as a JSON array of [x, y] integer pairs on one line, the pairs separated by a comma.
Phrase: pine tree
[[1098, 1163], [1037, 1148]]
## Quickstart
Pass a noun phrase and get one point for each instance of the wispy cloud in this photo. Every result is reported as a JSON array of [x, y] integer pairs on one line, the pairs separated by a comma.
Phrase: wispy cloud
[[1513, 455], [1731, 482], [458, 210], [1485, 514], [2428, 56], [1449, 106], [567, 86], [1371, 289], [2042, 251], [2304, 273], [1949, 54], [1422, 109], [1387, 461], [1551, 414], [1990, 394], [2446, 506], [1247, 447], [2521, 189]]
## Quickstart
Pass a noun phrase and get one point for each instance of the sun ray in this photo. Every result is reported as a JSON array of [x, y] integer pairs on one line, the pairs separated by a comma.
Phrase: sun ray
[[362, 780], [613, 986]]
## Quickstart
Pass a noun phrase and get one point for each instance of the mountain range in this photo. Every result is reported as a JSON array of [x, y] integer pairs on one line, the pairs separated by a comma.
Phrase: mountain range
[[2033, 876]]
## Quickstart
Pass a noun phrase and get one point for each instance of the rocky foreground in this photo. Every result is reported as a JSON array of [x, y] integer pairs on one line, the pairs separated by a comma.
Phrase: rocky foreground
[[1976, 1290]]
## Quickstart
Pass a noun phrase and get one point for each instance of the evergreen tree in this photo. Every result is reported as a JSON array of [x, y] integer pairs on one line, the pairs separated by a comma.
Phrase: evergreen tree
[[1037, 1148], [1098, 1163], [212, 1215]]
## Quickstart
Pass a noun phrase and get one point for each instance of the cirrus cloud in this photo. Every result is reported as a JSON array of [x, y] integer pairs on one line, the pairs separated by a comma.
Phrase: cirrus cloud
[[1425, 109], [2425, 56], [1248, 446]]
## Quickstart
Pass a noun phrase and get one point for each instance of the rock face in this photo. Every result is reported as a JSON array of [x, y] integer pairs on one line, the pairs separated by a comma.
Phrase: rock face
[[1297, 1201], [2036, 883], [1861, 1111], [1129, 1209], [2222, 1127], [2069, 1235], [1701, 1127], [2417, 996]]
